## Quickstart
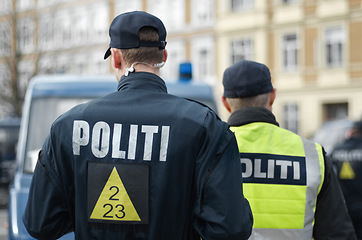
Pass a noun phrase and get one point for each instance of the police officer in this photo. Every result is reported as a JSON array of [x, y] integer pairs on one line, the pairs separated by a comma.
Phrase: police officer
[[289, 182], [347, 160], [138, 163]]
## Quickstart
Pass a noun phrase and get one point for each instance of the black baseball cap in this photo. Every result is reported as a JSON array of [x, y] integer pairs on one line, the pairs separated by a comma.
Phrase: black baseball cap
[[125, 27], [246, 79]]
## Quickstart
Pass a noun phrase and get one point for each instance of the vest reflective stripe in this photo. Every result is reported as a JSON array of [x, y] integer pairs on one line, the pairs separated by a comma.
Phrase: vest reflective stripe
[[281, 211], [313, 183]]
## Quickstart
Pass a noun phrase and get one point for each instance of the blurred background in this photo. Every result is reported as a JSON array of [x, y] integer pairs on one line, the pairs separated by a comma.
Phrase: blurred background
[[312, 47]]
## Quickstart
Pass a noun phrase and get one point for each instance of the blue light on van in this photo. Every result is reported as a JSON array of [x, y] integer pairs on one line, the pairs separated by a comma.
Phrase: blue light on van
[[185, 72]]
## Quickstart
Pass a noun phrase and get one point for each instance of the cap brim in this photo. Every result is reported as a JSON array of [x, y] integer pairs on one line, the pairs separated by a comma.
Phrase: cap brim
[[108, 53]]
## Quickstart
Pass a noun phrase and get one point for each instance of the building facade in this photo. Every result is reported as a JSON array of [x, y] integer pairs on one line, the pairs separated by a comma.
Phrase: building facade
[[71, 36], [312, 47]]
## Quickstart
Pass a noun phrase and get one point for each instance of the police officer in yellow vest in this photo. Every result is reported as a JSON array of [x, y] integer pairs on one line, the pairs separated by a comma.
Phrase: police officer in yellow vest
[[288, 180]]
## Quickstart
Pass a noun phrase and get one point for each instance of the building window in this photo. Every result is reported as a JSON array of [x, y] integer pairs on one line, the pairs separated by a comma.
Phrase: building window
[[335, 111], [290, 52], [4, 39], [241, 49], [62, 63], [291, 117], [5, 73], [26, 72], [80, 64], [176, 55], [203, 12], [203, 63], [5, 6], [289, 1], [99, 17], [80, 26], [172, 13], [25, 35], [334, 46], [22, 5], [241, 5], [202, 58], [62, 33], [98, 65], [46, 65], [121, 6], [45, 33]]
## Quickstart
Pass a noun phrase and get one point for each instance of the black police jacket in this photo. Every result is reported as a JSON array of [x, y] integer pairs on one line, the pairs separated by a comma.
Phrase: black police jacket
[[139, 164], [347, 161]]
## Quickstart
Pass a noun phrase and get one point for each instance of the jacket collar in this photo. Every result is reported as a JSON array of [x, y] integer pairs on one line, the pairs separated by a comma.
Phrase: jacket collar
[[141, 80], [247, 115]]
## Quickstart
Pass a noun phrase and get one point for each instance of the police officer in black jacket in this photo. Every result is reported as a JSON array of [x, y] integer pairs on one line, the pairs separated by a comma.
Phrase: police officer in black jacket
[[347, 160], [138, 163]]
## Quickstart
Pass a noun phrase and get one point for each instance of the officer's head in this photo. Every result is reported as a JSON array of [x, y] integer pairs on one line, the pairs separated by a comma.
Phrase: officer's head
[[136, 37], [247, 84]]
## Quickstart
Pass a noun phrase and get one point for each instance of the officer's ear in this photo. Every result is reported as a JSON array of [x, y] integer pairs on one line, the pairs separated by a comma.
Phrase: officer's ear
[[116, 58], [272, 96], [165, 55], [226, 104]]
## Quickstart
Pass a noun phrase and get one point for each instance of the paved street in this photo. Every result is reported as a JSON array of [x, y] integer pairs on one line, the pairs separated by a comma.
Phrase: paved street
[[3, 223]]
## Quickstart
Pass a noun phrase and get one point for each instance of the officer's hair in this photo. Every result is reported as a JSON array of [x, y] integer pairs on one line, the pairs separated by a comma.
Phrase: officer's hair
[[149, 55], [261, 100]]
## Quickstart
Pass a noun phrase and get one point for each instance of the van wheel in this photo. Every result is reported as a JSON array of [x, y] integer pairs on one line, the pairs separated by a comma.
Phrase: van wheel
[[4, 197]]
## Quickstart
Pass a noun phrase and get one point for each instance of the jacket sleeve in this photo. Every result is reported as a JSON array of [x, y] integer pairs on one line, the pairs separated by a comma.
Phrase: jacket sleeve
[[332, 220], [221, 211], [46, 215]]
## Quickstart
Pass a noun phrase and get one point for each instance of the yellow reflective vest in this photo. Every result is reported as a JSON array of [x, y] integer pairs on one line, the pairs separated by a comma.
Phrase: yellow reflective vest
[[282, 176]]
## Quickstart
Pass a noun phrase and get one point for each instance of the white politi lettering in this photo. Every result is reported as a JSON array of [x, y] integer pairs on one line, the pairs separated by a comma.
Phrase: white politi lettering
[[284, 167], [80, 135], [344, 155], [100, 139], [253, 168], [271, 165], [149, 131], [257, 169], [248, 167], [164, 142], [132, 143], [296, 170], [101, 143], [116, 142]]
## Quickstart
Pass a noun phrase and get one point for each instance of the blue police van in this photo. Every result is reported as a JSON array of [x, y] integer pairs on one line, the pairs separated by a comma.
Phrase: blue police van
[[48, 97]]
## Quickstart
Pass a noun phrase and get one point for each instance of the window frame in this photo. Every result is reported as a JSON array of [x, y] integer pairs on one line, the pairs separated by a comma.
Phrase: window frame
[[246, 45], [334, 46], [241, 5], [290, 52], [291, 117]]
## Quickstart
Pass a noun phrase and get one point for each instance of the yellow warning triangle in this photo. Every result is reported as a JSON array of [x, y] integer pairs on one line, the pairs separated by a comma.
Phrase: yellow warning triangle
[[114, 203], [346, 171]]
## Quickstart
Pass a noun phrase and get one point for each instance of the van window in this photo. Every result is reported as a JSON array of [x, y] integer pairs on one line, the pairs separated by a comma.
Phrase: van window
[[8, 141], [43, 112]]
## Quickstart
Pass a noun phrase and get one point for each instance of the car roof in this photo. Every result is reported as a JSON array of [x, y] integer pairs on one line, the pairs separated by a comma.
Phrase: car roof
[[190, 89], [59, 85], [68, 85]]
